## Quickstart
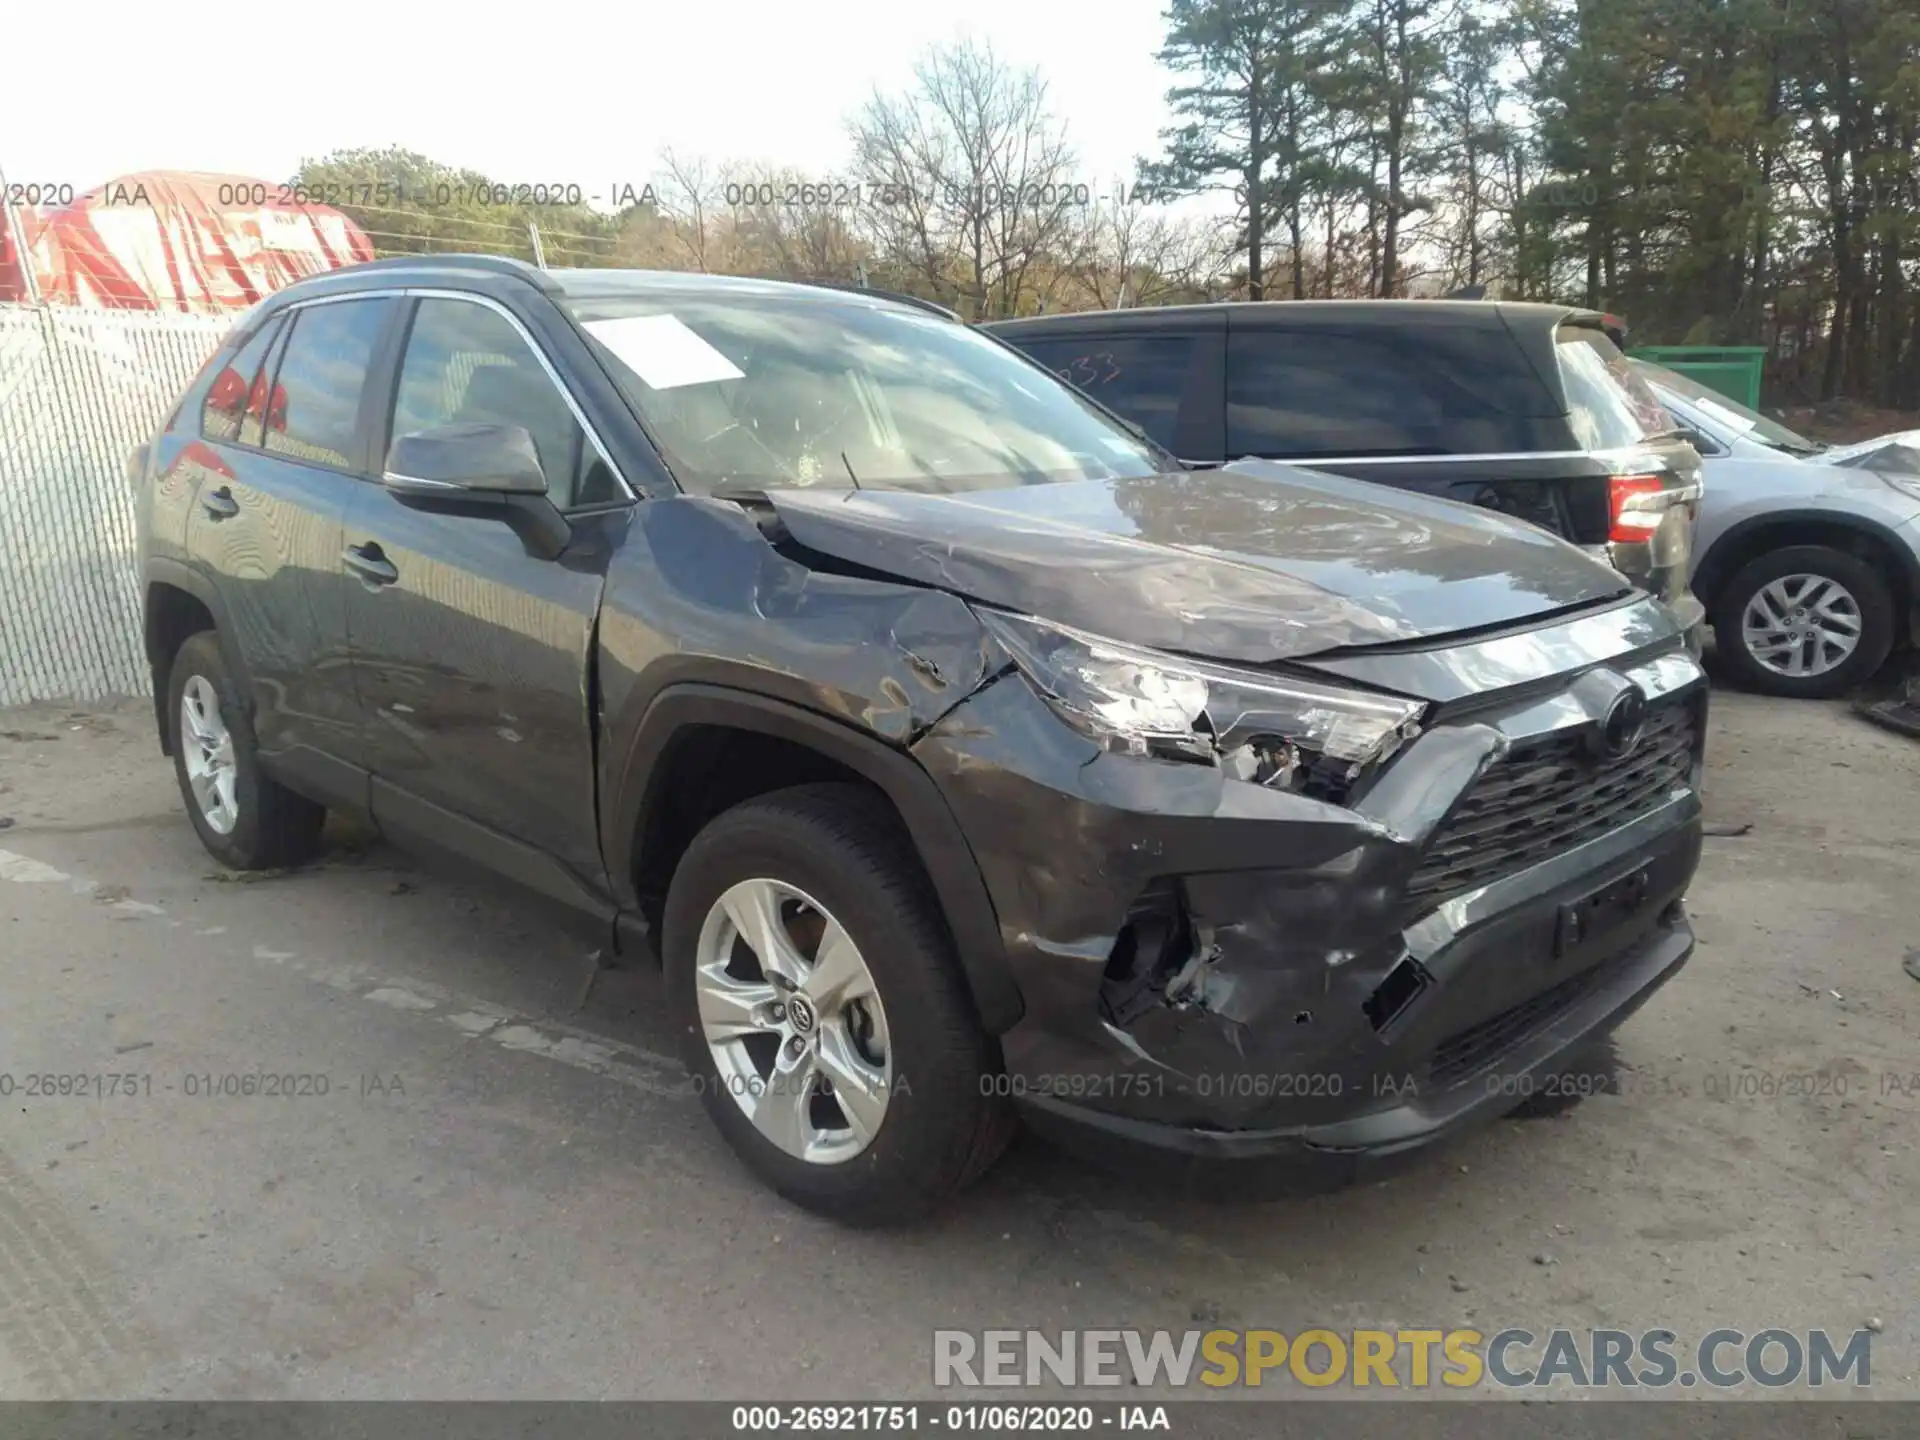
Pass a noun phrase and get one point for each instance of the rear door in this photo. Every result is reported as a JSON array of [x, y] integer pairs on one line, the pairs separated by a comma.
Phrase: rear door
[[471, 653], [1164, 379], [287, 427]]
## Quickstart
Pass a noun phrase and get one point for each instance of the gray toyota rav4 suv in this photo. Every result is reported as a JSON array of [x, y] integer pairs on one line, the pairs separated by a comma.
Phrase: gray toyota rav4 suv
[[960, 754]]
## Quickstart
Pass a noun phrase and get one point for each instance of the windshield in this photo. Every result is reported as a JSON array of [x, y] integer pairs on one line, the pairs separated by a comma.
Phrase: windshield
[[1608, 404], [1729, 414], [767, 391]]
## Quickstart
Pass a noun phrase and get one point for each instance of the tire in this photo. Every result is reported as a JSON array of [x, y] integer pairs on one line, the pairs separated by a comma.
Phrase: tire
[[841, 848], [1871, 603], [270, 826]]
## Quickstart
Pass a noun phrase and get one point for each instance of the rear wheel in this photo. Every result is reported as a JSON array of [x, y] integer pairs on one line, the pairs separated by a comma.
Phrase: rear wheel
[[821, 1009], [245, 818], [1805, 622]]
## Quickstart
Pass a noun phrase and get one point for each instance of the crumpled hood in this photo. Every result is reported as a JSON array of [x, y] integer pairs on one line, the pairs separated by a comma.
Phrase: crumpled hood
[[1840, 454], [1255, 562]]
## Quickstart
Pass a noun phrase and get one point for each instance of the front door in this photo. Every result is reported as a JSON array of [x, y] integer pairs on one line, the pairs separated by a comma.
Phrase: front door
[[471, 655]]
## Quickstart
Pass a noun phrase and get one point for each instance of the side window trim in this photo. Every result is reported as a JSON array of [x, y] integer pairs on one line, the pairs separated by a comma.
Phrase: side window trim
[[375, 419], [471, 297]]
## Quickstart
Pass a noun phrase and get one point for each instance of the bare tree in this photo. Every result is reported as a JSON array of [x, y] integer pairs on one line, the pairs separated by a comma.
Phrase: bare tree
[[1136, 253], [688, 196], [967, 179], [779, 222]]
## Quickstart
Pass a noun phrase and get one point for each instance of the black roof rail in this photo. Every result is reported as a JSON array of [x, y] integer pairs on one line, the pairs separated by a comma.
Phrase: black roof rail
[[493, 264], [898, 296]]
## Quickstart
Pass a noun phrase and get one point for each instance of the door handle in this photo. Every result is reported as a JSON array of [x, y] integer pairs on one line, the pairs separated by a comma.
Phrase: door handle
[[220, 504], [370, 563]]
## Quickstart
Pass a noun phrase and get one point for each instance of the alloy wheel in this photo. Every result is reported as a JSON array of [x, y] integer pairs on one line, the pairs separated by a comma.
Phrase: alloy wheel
[[207, 746], [794, 1022], [1801, 625]]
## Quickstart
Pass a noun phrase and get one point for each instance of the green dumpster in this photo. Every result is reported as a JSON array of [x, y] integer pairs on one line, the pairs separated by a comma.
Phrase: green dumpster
[[1733, 370]]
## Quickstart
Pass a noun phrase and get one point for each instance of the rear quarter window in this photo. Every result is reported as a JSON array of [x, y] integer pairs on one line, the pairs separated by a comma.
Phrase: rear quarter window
[[1608, 404], [225, 406]]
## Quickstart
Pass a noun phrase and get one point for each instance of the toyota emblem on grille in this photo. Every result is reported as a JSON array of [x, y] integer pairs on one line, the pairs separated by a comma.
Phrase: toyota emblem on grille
[[1625, 722]]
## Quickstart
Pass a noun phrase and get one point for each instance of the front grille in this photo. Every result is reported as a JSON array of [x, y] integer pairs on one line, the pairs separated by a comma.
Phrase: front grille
[[1549, 794], [1466, 1053]]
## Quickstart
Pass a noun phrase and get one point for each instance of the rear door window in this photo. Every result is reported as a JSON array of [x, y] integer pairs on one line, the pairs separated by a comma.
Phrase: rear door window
[[1141, 377], [1316, 392], [1608, 404], [225, 407], [313, 410]]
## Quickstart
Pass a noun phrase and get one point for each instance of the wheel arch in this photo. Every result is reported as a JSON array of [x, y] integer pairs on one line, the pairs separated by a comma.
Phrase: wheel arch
[[1866, 539], [675, 743], [179, 602]]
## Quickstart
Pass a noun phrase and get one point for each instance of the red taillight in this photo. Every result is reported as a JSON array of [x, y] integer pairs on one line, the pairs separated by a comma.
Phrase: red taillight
[[1626, 522]]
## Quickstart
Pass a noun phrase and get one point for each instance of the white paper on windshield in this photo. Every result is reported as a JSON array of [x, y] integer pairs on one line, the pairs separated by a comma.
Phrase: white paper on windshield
[[1732, 419], [662, 351]]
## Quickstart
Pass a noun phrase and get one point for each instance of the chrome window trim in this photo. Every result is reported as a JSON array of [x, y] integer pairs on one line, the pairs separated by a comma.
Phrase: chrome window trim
[[420, 292]]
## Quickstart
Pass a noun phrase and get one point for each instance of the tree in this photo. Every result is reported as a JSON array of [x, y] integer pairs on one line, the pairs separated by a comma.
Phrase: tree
[[967, 179], [1247, 113], [409, 204]]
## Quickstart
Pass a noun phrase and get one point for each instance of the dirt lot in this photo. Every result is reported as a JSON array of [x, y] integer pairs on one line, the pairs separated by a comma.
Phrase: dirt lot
[[506, 1191]]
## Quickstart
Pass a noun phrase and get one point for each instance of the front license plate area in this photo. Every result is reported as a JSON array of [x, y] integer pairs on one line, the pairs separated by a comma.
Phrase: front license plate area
[[1602, 910]]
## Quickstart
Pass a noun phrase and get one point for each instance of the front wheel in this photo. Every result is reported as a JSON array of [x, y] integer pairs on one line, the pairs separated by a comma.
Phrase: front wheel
[[1806, 622], [243, 816], [822, 1011]]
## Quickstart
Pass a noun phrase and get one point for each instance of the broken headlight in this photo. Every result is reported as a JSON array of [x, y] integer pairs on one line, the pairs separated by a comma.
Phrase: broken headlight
[[1270, 729]]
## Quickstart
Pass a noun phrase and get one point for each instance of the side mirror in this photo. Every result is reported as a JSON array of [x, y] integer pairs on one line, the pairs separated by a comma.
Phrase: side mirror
[[1697, 440], [479, 470], [473, 460]]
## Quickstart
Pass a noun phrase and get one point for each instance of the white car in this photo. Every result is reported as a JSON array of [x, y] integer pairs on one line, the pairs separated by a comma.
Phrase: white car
[[1807, 557]]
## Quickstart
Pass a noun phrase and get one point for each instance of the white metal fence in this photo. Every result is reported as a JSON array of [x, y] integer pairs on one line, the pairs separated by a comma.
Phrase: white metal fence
[[78, 390]]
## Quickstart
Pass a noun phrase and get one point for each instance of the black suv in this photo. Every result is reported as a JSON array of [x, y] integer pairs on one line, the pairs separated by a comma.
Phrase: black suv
[[1530, 410], [960, 754]]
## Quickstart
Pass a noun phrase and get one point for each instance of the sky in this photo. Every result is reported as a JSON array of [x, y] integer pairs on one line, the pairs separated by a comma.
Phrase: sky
[[557, 92]]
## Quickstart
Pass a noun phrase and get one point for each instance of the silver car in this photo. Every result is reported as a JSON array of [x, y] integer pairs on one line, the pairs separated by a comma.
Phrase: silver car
[[1806, 557]]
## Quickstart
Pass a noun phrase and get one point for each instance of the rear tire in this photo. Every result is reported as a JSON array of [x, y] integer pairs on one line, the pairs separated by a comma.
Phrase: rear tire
[[844, 854], [1862, 603], [246, 819]]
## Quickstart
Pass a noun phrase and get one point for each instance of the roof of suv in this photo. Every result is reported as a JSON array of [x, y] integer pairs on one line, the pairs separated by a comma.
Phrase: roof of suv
[[600, 284], [1345, 314]]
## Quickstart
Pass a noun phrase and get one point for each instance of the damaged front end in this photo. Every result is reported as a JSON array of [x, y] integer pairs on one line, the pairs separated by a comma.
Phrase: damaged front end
[[1255, 901]]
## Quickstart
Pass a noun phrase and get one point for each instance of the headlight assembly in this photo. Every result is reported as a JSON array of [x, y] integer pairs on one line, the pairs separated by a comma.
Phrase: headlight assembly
[[1270, 729]]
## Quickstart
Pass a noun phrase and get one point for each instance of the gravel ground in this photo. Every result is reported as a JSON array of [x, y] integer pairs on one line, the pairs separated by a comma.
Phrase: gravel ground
[[505, 1192]]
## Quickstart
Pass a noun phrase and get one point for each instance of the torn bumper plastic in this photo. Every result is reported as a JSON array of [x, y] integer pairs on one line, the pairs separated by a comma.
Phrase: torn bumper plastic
[[1224, 972]]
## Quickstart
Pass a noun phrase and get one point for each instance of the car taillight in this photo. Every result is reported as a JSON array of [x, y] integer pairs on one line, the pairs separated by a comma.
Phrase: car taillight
[[1628, 520]]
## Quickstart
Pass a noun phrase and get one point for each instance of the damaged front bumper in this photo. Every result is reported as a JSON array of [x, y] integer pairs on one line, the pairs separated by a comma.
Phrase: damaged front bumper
[[1215, 973]]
